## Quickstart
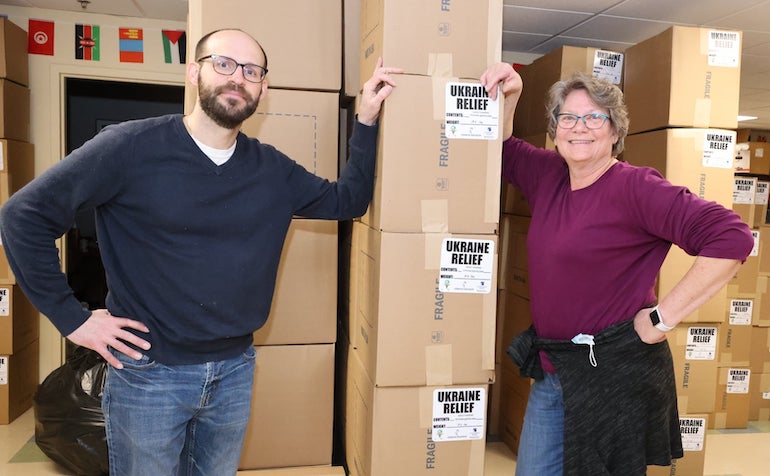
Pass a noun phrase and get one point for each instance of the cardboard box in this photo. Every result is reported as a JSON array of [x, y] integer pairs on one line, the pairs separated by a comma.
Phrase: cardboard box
[[732, 398], [758, 158], [14, 63], [744, 194], [760, 350], [14, 111], [512, 201], [734, 335], [19, 320], [694, 350], [746, 279], [291, 408], [760, 203], [761, 312], [458, 39], [304, 307], [695, 83], [302, 40], [759, 397], [300, 471], [516, 318], [557, 65], [410, 332], [390, 430], [764, 251], [493, 405], [303, 125], [513, 252], [427, 182], [694, 437], [699, 159], [515, 394], [17, 167], [18, 381]]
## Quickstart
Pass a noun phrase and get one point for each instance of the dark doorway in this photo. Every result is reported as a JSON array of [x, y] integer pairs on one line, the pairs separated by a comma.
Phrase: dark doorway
[[90, 106]]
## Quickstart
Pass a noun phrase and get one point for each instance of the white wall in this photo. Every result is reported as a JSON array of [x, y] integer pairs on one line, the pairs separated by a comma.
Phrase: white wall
[[46, 78]]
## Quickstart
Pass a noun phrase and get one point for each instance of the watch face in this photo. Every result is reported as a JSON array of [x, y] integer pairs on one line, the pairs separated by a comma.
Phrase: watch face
[[654, 317]]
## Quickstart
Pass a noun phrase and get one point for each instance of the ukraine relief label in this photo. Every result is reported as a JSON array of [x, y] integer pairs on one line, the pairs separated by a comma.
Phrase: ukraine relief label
[[608, 65], [466, 266], [762, 193], [719, 149], [741, 311], [458, 414], [738, 380], [470, 112], [693, 432], [3, 370], [5, 302], [744, 191], [701, 343], [724, 48]]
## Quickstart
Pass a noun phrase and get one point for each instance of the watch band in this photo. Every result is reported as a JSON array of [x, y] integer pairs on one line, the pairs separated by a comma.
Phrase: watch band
[[657, 320]]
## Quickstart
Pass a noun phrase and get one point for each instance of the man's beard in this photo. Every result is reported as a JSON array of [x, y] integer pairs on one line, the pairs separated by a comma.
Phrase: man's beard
[[226, 115]]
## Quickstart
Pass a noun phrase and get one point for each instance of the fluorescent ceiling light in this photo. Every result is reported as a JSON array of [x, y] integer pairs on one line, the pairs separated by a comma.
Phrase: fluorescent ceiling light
[[746, 118]]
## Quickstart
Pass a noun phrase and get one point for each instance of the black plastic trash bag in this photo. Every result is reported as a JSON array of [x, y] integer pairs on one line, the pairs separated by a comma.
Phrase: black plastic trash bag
[[69, 423]]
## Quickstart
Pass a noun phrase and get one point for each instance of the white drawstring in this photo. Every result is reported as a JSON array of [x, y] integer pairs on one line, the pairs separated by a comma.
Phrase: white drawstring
[[588, 340]]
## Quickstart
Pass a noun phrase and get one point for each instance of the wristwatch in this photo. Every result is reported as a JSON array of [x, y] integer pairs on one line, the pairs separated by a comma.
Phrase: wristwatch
[[657, 320]]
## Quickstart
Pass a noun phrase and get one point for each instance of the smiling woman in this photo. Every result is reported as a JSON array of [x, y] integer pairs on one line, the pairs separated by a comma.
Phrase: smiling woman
[[599, 232]]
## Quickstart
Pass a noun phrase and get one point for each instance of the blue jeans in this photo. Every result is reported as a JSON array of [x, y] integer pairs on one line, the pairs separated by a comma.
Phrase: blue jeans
[[177, 420], [541, 447]]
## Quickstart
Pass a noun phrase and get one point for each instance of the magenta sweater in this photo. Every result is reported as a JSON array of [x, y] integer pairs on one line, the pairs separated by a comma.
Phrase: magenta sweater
[[594, 254]]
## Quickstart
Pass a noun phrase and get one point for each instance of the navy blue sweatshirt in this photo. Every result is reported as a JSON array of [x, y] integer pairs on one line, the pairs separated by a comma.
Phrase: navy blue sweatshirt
[[191, 249]]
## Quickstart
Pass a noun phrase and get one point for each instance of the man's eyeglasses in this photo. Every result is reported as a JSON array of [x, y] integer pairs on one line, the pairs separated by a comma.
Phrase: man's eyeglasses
[[227, 66], [594, 120]]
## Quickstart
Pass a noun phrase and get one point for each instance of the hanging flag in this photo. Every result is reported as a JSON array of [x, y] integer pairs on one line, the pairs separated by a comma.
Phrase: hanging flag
[[40, 39], [174, 46], [131, 45], [87, 42]]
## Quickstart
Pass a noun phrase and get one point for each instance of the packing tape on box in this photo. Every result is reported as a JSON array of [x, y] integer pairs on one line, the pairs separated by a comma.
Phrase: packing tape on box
[[438, 364], [439, 64], [702, 113], [434, 216]]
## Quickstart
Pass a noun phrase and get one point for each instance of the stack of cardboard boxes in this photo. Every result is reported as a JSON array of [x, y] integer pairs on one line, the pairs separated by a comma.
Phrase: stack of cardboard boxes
[[291, 424], [750, 199], [421, 327], [683, 118], [510, 392], [19, 322]]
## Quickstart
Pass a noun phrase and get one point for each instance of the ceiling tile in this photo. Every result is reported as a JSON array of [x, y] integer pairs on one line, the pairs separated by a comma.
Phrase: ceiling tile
[[586, 6], [682, 12], [538, 20], [625, 30], [522, 42]]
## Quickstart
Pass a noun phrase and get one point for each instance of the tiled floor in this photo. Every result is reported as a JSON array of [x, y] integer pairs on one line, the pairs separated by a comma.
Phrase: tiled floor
[[743, 452]]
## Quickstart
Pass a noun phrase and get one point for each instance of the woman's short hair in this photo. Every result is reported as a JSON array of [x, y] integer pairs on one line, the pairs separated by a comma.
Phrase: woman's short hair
[[602, 92]]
